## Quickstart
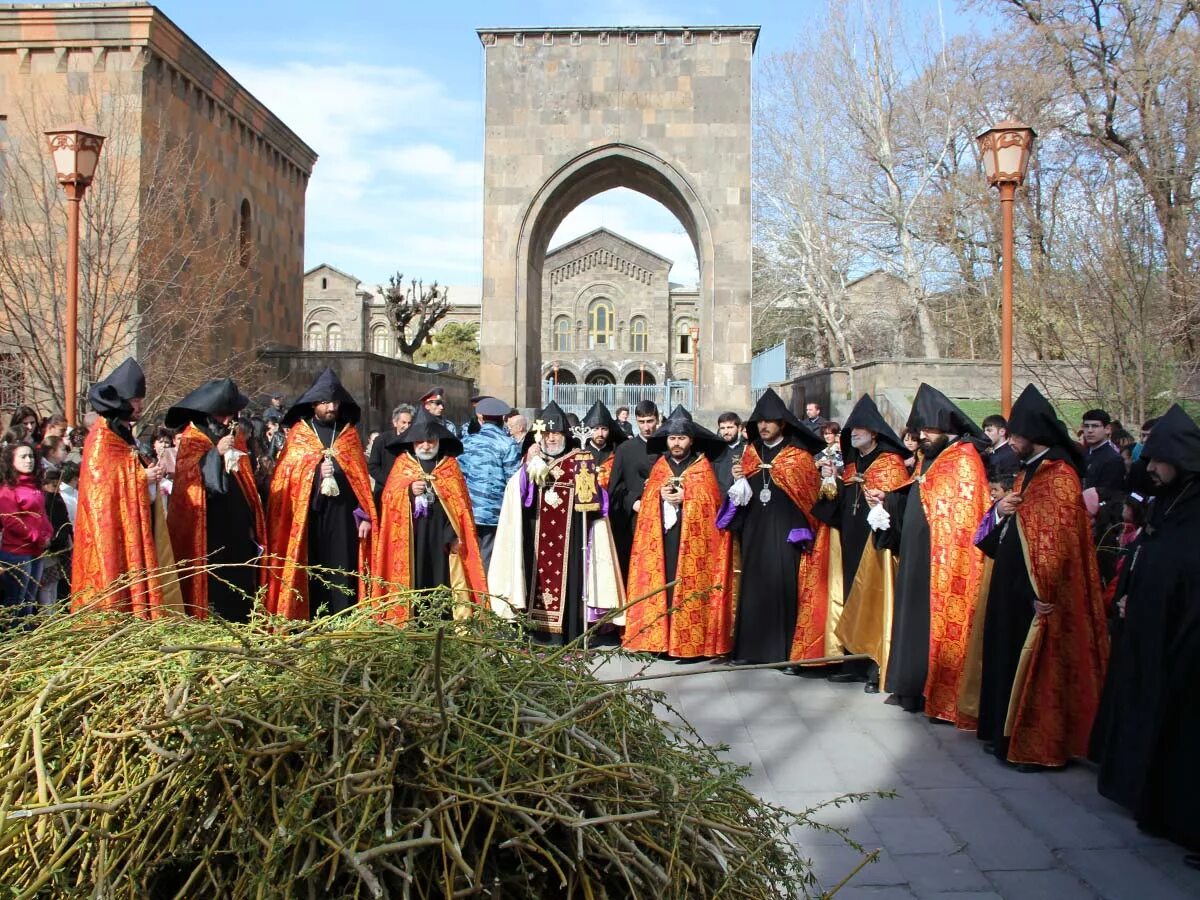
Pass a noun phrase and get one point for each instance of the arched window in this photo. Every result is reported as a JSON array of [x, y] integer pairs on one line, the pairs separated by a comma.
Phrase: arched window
[[683, 336], [562, 334], [381, 341], [316, 337], [639, 335], [244, 223], [600, 325], [600, 376], [333, 337]]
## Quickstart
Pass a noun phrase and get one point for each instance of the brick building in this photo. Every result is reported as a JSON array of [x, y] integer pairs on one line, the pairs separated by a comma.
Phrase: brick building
[[197, 208]]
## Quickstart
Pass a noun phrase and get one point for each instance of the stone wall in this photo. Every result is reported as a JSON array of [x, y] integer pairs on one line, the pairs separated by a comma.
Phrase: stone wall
[[377, 384], [893, 382]]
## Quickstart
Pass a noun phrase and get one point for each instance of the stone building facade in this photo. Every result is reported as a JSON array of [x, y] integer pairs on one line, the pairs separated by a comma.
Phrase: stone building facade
[[611, 316], [341, 315], [128, 71]]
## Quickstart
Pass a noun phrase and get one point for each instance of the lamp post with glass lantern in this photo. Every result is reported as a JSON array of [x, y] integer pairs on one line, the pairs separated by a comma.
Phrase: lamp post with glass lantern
[[75, 150], [1005, 152]]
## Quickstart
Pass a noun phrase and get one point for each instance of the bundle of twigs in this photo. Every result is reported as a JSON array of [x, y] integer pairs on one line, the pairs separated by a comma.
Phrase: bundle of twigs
[[348, 758]]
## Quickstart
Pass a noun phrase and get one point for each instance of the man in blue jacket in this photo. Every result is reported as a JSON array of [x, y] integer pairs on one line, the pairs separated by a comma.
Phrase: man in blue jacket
[[489, 459]]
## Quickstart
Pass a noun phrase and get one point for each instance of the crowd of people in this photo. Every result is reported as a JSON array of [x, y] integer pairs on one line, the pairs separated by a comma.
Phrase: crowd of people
[[1016, 580]]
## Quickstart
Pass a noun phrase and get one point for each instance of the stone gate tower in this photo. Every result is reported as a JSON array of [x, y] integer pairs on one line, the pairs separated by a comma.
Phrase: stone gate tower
[[571, 113]]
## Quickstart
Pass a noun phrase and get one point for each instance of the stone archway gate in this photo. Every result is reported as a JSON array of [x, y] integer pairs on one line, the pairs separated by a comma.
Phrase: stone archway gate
[[571, 113]]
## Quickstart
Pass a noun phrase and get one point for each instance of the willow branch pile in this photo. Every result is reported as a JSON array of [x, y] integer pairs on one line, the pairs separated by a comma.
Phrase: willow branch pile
[[346, 758]]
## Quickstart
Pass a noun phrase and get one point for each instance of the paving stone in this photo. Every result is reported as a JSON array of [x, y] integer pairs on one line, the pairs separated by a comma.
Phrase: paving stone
[[995, 838], [874, 892], [721, 731], [932, 875], [1046, 884], [1168, 859], [832, 863], [917, 835], [963, 895], [1122, 875], [1061, 821]]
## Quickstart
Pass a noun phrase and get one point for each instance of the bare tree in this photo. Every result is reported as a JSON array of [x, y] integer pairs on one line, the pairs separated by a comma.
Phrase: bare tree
[[163, 276], [1131, 70], [414, 303]]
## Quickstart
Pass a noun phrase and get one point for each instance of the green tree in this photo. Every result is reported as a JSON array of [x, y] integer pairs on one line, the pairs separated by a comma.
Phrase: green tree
[[457, 344]]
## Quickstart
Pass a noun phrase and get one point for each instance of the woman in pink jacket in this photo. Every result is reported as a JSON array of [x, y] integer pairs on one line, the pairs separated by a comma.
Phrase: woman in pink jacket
[[25, 529]]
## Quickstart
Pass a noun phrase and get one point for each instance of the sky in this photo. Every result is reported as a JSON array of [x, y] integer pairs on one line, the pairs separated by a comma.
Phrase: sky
[[390, 96]]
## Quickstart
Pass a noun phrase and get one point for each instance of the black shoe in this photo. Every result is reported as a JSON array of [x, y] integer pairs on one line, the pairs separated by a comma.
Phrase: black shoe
[[846, 678], [1029, 768], [871, 687], [808, 671], [892, 700], [989, 747], [1192, 860]]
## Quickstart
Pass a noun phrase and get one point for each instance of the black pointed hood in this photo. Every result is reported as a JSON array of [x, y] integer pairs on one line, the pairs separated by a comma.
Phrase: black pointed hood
[[770, 407], [217, 397], [111, 397], [553, 419], [867, 415], [1175, 439], [599, 416], [327, 387], [933, 409], [680, 421], [1034, 419], [426, 427]]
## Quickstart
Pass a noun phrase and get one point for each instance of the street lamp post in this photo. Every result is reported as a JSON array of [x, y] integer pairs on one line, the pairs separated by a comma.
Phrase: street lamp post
[[75, 150], [1005, 152]]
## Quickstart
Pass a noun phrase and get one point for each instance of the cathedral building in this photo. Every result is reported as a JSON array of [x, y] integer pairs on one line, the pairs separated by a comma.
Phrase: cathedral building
[[610, 316]]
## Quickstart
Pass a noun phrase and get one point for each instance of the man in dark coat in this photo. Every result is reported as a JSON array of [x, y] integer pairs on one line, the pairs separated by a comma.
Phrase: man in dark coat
[[1105, 467], [1000, 459], [631, 467], [1152, 737], [729, 429], [383, 452]]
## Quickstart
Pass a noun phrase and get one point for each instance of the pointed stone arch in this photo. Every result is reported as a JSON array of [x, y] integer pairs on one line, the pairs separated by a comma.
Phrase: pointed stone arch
[[567, 120]]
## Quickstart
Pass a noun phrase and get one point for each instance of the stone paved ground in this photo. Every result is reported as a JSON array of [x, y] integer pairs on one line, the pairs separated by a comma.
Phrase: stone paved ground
[[963, 825]]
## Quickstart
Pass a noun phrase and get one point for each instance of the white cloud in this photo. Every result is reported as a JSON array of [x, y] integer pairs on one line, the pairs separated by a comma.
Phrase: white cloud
[[398, 184]]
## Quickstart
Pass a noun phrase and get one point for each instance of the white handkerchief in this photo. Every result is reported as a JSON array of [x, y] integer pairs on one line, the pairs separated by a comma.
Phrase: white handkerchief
[[878, 518], [670, 515], [739, 492]]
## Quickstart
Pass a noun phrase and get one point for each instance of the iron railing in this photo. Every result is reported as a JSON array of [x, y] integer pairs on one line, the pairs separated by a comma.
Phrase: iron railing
[[578, 398]]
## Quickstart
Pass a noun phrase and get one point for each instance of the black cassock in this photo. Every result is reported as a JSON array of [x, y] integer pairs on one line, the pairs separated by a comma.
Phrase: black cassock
[[631, 468], [908, 662], [766, 613], [230, 540], [1005, 623], [1150, 716], [332, 538], [432, 535]]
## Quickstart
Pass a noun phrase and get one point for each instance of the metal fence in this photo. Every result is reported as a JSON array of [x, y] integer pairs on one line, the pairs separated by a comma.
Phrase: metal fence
[[578, 398]]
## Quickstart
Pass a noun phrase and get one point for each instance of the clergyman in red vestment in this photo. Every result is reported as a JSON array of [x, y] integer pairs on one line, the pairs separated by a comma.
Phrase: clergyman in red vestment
[[320, 508]]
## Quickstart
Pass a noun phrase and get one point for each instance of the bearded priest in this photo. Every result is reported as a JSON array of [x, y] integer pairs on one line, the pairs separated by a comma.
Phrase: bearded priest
[[783, 589], [930, 523], [554, 558], [677, 540], [322, 515], [604, 440], [427, 533]]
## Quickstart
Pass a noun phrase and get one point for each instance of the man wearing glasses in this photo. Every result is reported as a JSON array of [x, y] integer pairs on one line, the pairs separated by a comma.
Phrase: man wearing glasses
[[434, 402]]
